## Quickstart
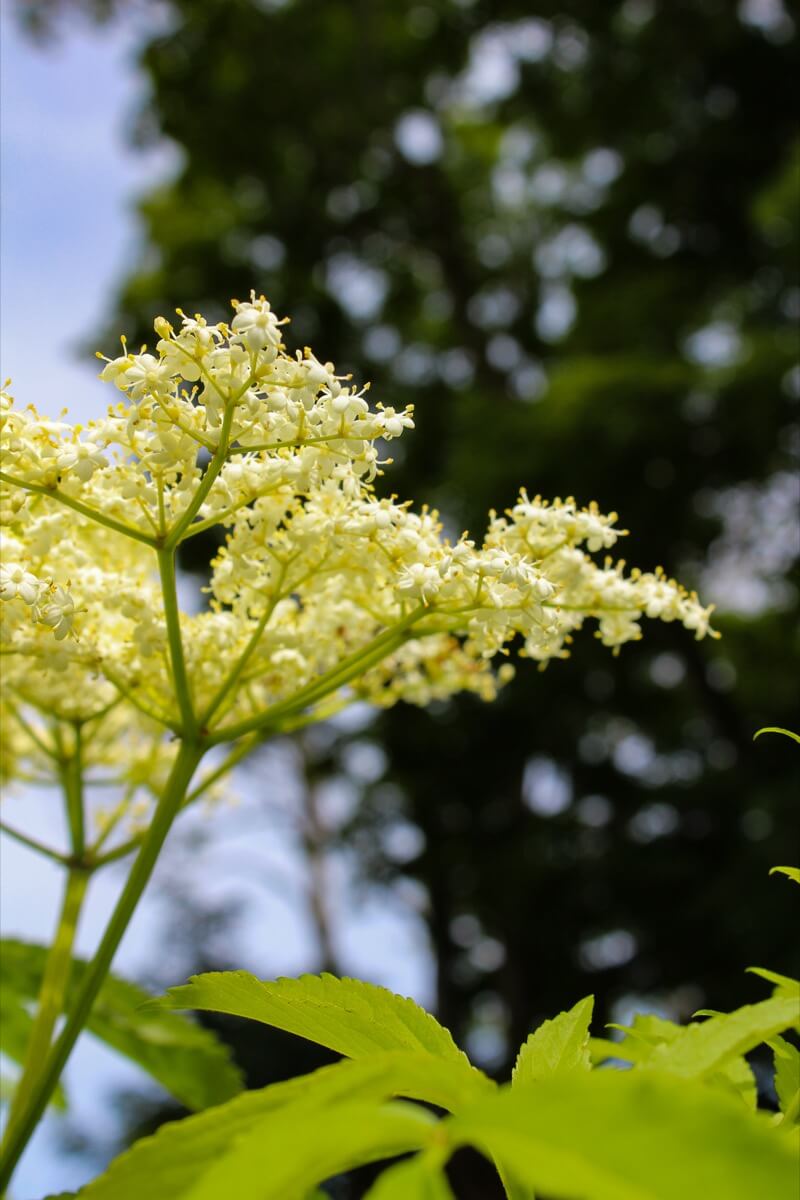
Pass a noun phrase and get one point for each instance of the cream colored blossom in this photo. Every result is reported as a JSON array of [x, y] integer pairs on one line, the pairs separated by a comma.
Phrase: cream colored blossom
[[321, 592], [16, 581]]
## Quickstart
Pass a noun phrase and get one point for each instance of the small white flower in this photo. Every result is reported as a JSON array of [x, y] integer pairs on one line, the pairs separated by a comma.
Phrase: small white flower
[[256, 326], [16, 581], [57, 612], [82, 459], [420, 580]]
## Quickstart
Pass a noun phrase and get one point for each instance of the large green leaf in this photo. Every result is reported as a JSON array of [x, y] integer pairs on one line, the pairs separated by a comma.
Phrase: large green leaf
[[707, 1047], [186, 1059], [417, 1179], [353, 1018], [621, 1135], [292, 1151], [181, 1158], [557, 1046]]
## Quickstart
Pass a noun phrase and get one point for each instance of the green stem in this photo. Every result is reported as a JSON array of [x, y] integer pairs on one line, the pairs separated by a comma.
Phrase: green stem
[[129, 694], [188, 757], [32, 843], [72, 777], [376, 650], [166, 566], [234, 676], [212, 471], [79, 506], [51, 994], [50, 751]]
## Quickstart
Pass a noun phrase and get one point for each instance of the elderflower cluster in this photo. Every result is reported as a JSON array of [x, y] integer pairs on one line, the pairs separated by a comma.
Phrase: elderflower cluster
[[322, 590]]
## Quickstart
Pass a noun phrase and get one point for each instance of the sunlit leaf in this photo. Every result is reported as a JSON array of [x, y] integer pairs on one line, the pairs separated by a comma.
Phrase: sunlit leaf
[[789, 872], [353, 1018], [783, 983], [557, 1046], [777, 729], [641, 1046], [620, 1135], [274, 1128], [417, 1179], [706, 1047], [787, 1077]]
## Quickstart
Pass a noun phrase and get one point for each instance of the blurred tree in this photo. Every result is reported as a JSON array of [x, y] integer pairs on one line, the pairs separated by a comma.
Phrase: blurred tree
[[568, 231]]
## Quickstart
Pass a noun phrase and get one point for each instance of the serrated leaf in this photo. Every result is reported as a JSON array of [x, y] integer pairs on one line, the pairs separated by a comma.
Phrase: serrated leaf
[[177, 1161], [557, 1047], [790, 872], [417, 1179], [612, 1135], [353, 1018], [186, 1059], [787, 1077], [703, 1049]]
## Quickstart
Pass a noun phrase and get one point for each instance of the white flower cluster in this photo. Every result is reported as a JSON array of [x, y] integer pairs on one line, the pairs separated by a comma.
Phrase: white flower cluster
[[322, 591]]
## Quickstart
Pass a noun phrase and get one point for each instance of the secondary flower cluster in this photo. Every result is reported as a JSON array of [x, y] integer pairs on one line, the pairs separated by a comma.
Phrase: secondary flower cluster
[[322, 591]]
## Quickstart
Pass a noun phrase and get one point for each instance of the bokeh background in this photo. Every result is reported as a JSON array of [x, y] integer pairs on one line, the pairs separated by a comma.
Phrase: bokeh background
[[568, 233]]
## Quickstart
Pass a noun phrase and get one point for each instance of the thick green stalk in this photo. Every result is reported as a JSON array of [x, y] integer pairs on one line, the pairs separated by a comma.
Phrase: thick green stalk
[[166, 566], [52, 992], [189, 755], [72, 776]]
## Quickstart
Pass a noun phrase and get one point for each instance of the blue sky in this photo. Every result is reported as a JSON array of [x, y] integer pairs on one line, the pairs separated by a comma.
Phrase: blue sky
[[68, 229]]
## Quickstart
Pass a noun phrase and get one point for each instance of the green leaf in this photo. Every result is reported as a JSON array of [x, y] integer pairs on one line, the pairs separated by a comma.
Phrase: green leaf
[[787, 1077], [15, 1030], [557, 1047], [188, 1158], [708, 1047], [621, 1135], [291, 1151], [777, 729], [649, 1032], [790, 872], [353, 1018], [187, 1060], [417, 1179], [783, 983], [737, 1077]]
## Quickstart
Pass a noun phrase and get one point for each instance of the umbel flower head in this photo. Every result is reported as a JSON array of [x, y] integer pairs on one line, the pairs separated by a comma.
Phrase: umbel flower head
[[322, 591]]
